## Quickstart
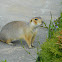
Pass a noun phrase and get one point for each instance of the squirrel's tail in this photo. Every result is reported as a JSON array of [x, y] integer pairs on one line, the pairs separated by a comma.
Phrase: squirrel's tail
[[2, 38]]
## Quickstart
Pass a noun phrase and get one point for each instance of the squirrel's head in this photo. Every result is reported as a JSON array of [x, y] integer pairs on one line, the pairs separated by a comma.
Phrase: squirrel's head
[[36, 21]]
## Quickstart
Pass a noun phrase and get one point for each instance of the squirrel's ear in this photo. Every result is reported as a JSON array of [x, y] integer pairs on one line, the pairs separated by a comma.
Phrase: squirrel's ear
[[30, 21]]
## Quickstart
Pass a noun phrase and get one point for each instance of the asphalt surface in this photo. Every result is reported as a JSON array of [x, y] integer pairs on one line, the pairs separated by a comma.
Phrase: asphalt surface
[[24, 10]]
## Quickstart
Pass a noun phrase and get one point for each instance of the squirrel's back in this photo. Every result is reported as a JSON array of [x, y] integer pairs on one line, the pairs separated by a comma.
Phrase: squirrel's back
[[14, 30]]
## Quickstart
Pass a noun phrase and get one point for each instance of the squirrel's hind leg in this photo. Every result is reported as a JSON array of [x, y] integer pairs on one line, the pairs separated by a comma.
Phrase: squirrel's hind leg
[[9, 42]]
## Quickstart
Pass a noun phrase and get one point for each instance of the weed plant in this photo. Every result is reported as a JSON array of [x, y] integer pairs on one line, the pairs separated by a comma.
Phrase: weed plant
[[52, 48]]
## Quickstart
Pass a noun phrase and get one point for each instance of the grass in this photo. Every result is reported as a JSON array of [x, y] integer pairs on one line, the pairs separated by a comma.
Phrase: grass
[[51, 50]]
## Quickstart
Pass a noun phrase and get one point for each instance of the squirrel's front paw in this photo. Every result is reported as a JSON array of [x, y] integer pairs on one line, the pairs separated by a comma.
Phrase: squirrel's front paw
[[31, 46]]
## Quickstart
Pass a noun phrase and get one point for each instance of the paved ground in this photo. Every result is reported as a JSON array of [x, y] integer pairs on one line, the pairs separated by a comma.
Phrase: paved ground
[[24, 10]]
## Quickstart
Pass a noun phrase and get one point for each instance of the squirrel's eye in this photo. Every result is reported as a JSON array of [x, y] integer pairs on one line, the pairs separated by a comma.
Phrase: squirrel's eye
[[36, 19]]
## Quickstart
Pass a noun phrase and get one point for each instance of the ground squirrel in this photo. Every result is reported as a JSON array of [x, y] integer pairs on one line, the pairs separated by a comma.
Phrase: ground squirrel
[[21, 30]]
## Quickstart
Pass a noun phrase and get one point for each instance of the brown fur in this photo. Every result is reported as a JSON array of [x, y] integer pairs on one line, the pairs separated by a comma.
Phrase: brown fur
[[20, 30]]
